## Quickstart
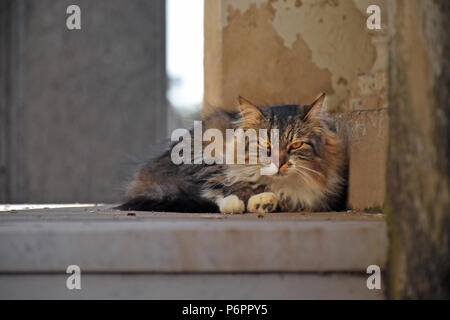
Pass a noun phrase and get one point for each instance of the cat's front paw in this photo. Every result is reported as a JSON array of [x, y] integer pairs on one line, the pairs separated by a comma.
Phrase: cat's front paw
[[262, 203], [231, 204]]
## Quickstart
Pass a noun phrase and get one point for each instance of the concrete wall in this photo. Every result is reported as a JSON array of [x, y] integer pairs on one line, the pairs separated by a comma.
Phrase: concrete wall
[[272, 51], [288, 51], [418, 179], [79, 104]]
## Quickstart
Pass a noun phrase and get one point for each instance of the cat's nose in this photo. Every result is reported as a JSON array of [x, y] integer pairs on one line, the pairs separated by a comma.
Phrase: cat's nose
[[283, 158]]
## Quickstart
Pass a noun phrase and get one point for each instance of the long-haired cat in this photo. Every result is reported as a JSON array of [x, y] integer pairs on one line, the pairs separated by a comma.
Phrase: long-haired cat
[[309, 175]]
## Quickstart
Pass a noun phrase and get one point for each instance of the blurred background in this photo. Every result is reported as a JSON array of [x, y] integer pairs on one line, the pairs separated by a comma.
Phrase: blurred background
[[79, 108]]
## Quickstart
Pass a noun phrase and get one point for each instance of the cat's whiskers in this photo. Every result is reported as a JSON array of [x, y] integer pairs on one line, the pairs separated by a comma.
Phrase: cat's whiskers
[[309, 169], [303, 174]]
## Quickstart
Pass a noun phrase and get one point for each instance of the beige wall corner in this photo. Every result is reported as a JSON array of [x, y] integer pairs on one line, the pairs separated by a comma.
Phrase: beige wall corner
[[289, 51], [368, 136]]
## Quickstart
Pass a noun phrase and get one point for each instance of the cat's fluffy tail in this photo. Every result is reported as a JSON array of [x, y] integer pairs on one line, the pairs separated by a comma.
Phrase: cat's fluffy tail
[[170, 204]]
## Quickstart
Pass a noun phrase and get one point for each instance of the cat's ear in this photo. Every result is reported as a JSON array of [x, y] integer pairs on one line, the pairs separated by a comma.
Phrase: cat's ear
[[316, 107], [249, 111]]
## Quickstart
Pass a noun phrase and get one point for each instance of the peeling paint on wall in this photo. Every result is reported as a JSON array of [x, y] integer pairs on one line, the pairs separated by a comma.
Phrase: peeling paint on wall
[[308, 41], [257, 64], [330, 31], [240, 5]]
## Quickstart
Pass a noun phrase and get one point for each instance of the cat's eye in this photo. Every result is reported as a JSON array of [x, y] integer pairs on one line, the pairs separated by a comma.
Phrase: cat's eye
[[296, 145]]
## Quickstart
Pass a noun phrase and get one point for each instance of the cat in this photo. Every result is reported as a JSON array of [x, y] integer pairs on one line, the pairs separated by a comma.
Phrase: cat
[[309, 176]]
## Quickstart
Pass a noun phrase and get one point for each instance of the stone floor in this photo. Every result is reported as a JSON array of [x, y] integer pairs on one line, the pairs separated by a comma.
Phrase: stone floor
[[189, 256]]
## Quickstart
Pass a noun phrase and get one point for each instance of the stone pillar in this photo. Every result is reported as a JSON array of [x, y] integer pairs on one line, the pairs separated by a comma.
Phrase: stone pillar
[[80, 103], [12, 158], [418, 167], [289, 51]]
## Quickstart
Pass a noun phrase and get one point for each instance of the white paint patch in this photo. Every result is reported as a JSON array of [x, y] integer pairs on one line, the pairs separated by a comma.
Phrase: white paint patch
[[329, 31], [241, 5]]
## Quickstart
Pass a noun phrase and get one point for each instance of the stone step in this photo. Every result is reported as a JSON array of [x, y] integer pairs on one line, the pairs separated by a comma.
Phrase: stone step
[[141, 249], [103, 240], [192, 286]]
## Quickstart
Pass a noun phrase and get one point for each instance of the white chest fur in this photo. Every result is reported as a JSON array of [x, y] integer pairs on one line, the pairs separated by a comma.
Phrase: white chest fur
[[294, 193]]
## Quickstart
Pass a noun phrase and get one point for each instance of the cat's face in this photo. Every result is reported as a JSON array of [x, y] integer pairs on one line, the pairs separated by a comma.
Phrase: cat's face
[[304, 140]]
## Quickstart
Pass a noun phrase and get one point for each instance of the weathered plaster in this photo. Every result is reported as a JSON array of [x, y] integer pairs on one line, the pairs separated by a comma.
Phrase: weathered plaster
[[328, 28], [317, 36], [258, 65], [417, 181], [239, 5]]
